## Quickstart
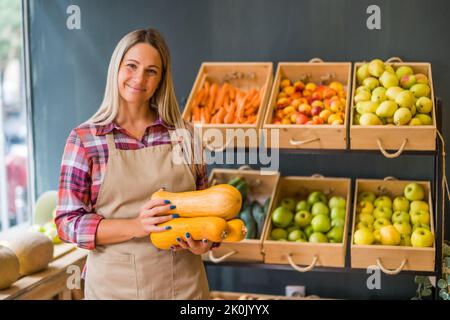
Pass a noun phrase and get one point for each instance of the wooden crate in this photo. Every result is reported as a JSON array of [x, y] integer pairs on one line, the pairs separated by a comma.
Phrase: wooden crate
[[306, 253], [244, 75], [391, 137], [260, 188], [308, 136], [391, 259], [228, 295]]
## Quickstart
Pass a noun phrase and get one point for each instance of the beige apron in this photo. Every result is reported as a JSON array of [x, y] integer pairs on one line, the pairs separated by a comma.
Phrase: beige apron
[[136, 269]]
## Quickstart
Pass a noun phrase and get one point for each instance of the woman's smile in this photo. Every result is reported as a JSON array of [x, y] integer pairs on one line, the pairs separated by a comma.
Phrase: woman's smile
[[135, 89]]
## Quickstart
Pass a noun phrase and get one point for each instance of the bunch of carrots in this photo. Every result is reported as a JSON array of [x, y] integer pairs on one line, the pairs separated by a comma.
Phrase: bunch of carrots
[[225, 104]]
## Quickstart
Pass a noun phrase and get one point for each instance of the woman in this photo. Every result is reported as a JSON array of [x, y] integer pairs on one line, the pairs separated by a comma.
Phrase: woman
[[111, 166]]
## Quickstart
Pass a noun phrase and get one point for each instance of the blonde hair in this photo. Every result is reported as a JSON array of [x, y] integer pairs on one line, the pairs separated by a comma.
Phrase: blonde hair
[[163, 98]]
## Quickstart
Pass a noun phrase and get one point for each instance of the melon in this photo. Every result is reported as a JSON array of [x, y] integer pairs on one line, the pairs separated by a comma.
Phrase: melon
[[45, 205], [9, 267]]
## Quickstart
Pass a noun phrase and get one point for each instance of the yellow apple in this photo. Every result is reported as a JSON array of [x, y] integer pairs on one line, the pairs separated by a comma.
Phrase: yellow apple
[[389, 236], [363, 236]]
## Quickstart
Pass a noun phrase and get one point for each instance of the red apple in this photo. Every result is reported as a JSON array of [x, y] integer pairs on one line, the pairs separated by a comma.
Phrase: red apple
[[316, 111], [301, 118], [317, 95]]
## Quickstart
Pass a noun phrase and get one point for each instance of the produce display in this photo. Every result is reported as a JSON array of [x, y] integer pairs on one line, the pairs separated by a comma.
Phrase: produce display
[[9, 267], [33, 250], [203, 214], [49, 229], [252, 213], [403, 220], [391, 96], [310, 103], [225, 104], [314, 219]]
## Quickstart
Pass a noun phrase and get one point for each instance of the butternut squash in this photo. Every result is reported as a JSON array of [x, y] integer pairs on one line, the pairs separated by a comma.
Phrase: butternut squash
[[212, 228], [222, 200], [9, 267], [236, 231]]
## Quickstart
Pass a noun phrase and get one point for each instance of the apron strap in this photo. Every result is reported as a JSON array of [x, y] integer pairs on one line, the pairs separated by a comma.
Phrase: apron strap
[[111, 144]]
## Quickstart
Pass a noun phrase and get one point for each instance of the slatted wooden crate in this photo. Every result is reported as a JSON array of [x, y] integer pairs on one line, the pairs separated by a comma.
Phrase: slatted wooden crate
[[391, 259], [244, 75], [307, 254], [308, 136]]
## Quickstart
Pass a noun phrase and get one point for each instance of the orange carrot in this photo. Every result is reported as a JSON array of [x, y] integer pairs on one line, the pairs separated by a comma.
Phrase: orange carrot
[[221, 95], [256, 100], [250, 111], [251, 119], [232, 92], [221, 115], [212, 96], [229, 118], [206, 93], [196, 114]]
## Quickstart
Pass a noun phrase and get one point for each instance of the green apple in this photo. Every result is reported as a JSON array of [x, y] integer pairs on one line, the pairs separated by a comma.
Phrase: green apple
[[376, 67], [425, 119], [418, 205], [421, 216], [302, 205], [422, 237], [393, 92], [421, 225], [383, 201], [403, 70], [400, 204], [400, 216], [420, 90], [295, 235], [316, 196], [365, 217], [371, 83], [364, 107], [302, 218], [382, 212], [320, 208], [363, 236], [362, 96], [407, 81], [424, 105], [415, 122], [414, 191], [364, 225], [321, 223], [337, 213], [337, 202], [308, 231], [369, 119], [362, 89], [362, 72], [405, 99], [282, 217], [377, 236], [405, 240], [366, 196], [338, 222], [356, 118], [403, 227], [301, 240], [388, 79], [402, 116], [421, 78], [288, 203], [318, 237], [292, 228], [278, 233], [389, 236], [378, 95], [380, 223], [386, 109], [335, 235], [389, 68]]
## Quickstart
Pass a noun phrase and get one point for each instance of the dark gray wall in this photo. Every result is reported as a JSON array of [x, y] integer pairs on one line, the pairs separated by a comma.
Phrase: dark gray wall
[[69, 66]]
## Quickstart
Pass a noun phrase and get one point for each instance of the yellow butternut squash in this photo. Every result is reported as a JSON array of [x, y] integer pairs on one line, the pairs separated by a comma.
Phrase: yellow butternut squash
[[212, 228], [222, 200], [236, 231]]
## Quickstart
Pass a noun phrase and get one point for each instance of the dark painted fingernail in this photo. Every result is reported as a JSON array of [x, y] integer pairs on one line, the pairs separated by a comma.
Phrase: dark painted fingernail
[[168, 227], [188, 235], [166, 201], [175, 215], [178, 239], [205, 240], [173, 206]]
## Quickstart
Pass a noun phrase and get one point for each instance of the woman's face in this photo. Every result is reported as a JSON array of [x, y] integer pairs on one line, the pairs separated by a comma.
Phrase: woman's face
[[139, 74]]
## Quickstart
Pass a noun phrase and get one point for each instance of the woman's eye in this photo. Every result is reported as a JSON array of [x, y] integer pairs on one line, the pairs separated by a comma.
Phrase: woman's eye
[[131, 66], [151, 71]]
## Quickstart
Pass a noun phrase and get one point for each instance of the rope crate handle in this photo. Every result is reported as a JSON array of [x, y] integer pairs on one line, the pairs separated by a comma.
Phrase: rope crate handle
[[295, 142], [218, 149], [394, 59], [395, 154], [391, 272], [302, 269], [222, 258], [315, 60]]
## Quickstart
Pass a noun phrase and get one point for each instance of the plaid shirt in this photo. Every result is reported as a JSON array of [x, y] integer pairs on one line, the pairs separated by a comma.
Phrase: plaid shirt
[[83, 169]]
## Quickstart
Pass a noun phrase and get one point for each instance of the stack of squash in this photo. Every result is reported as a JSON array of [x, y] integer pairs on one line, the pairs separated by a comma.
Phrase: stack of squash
[[204, 214]]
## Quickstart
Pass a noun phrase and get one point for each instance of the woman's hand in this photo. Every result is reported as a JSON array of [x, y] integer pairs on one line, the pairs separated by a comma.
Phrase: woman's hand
[[194, 246], [152, 214]]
